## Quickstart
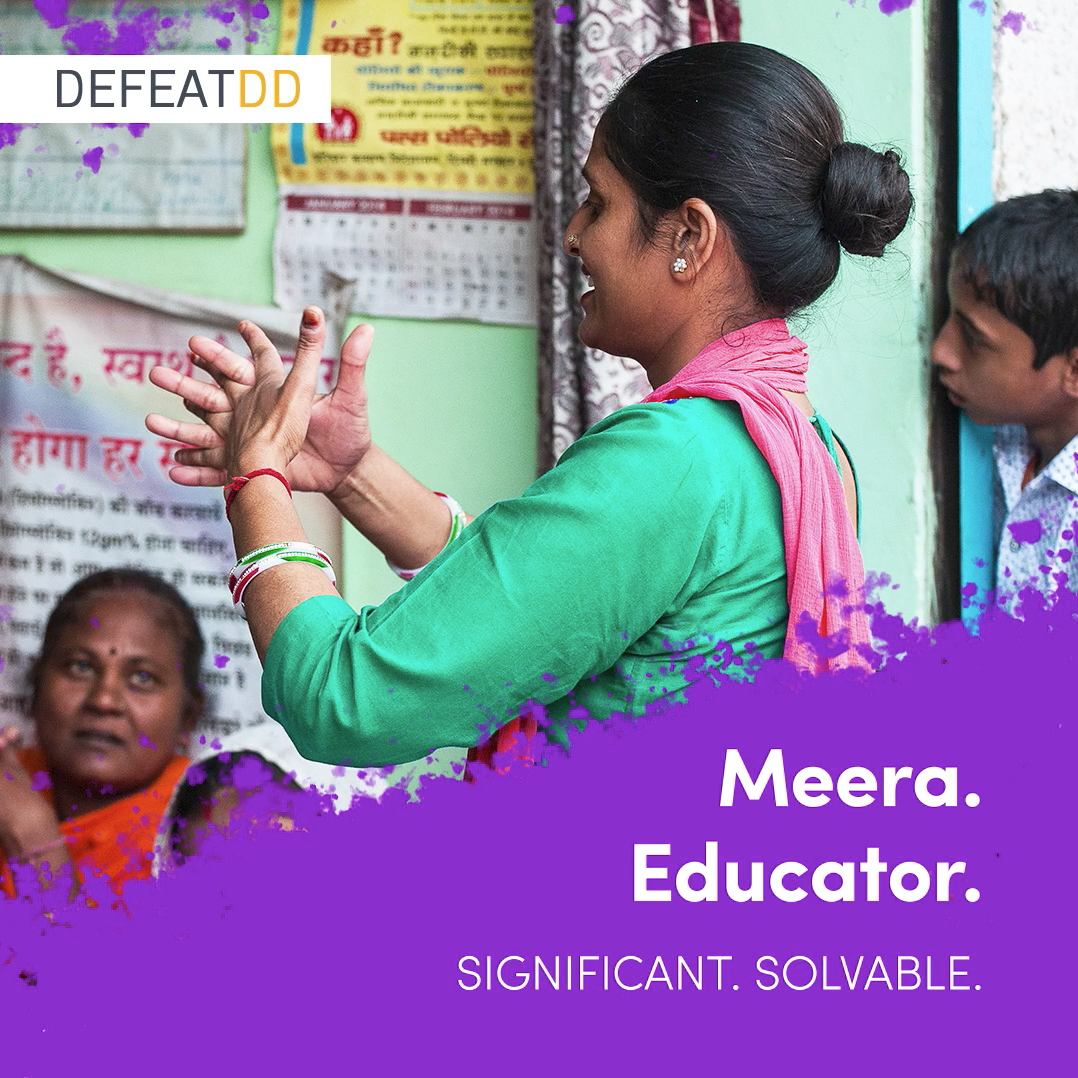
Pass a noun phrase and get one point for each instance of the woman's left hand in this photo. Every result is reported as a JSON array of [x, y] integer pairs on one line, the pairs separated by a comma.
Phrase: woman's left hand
[[269, 418], [27, 820]]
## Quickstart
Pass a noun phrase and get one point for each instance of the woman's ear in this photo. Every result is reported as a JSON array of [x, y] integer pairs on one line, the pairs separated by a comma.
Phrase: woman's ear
[[695, 234]]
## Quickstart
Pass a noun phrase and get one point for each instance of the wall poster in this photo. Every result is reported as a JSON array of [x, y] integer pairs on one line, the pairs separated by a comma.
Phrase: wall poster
[[174, 177], [421, 187]]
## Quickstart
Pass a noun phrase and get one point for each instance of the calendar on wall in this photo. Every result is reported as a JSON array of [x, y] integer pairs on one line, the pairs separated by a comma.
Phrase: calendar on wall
[[412, 256], [420, 188]]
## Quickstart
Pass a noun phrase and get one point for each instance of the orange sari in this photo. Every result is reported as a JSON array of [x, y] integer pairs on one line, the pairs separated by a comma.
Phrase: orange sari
[[116, 841]]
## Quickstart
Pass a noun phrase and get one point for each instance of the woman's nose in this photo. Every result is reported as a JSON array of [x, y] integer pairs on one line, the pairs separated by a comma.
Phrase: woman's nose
[[106, 693]]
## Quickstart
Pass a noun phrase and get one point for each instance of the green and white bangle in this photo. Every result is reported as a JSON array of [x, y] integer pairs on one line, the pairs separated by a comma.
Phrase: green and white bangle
[[456, 527], [266, 557]]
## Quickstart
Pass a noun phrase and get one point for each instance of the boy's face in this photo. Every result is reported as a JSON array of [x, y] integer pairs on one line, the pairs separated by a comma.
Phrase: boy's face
[[985, 363]]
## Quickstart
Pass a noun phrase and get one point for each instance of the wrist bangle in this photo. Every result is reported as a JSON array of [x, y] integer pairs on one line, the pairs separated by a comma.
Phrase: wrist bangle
[[235, 485], [30, 855], [456, 527], [266, 557], [281, 548]]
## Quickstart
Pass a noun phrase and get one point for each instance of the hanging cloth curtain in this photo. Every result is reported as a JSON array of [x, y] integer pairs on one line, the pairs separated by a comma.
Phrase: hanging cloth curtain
[[579, 64]]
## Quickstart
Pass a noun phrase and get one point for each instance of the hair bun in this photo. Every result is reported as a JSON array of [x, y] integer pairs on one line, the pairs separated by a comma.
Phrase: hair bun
[[866, 198]]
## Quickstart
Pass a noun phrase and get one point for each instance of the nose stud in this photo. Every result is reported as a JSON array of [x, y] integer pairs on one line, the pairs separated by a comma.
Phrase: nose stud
[[572, 240]]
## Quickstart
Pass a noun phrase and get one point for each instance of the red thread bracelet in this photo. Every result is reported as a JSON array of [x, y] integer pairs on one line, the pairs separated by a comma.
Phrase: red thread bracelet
[[240, 481]]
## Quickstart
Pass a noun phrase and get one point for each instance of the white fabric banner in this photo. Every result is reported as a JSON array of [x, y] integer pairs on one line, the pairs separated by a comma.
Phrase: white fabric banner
[[84, 485]]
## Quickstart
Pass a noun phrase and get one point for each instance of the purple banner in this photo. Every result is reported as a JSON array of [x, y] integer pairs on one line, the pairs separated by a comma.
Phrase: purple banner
[[512, 927]]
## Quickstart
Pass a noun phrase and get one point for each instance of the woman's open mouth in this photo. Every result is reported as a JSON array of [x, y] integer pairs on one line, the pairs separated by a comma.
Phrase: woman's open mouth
[[589, 286], [99, 739]]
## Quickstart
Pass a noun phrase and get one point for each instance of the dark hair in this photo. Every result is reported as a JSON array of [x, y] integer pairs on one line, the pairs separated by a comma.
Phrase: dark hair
[[67, 609], [759, 139], [1021, 256]]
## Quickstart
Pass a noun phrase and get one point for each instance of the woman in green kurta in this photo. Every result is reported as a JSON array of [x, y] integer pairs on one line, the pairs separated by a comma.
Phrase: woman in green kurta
[[672, 538]]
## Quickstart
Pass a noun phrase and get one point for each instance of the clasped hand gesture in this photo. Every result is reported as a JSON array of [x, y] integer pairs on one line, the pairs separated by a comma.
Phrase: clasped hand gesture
[[254, 416]]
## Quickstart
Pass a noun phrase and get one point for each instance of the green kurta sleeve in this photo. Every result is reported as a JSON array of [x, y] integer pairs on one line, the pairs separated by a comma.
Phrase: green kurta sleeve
[[661, 518]]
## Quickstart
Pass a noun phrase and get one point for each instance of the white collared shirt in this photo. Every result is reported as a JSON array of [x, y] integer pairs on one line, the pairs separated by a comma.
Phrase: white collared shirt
[[1036, 529]]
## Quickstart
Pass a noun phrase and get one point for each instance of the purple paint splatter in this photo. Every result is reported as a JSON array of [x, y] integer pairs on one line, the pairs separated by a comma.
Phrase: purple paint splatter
[[54, 12], [1026, 531], [979, 6], [249, 773], [134, 130], [145, 742], [5, 613], [9, 134], [92, 158], [1013, 21], [137, 34], [889, 7], [226, 14], [220, 661], [564, 14]]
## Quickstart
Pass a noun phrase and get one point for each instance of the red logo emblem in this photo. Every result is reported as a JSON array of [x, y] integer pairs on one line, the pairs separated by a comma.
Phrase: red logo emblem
[[342, 127]]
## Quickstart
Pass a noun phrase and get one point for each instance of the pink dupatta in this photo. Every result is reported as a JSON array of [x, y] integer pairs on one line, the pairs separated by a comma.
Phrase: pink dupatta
[[825, 578]]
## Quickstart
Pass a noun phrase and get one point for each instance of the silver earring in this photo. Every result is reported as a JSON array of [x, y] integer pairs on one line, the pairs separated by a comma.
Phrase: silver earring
[[680, 265]]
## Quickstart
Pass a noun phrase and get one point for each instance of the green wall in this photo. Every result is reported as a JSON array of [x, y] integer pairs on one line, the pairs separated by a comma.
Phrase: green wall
[[868, 335]]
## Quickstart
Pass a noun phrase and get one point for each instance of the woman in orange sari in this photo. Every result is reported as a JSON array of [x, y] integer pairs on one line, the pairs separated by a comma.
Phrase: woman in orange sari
[[114, 695]]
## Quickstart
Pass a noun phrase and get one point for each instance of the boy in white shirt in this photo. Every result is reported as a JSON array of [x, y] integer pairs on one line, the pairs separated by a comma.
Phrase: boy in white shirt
[[1008, 356]]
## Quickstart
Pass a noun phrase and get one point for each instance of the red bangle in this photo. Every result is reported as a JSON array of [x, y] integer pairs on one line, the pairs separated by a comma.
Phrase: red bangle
[[240, 481]]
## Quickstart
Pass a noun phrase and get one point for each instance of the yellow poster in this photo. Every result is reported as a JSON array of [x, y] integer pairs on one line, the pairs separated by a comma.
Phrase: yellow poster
[[420, 188], [427, 94]]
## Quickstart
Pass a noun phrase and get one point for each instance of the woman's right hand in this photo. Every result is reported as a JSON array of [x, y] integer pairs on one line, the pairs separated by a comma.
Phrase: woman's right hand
[[338, 434]]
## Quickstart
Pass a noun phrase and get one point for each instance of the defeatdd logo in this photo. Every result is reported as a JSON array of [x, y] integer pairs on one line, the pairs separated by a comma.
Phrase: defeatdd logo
[[164, 89]]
